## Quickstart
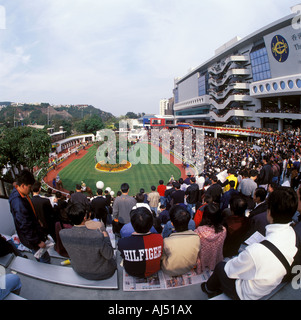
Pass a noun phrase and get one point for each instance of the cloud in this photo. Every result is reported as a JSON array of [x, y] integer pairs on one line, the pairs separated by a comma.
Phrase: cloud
[[120, 55]]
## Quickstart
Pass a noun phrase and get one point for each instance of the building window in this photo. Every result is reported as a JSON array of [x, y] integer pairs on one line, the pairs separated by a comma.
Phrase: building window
[[290, 84], [202, 85], [260, 63], [282, 85], [298, 83]]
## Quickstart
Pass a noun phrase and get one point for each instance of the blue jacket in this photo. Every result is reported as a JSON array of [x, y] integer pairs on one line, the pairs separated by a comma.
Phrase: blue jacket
[[27, 226]]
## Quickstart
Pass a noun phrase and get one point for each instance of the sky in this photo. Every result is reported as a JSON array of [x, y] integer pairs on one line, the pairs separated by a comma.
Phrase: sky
[[117, 55]]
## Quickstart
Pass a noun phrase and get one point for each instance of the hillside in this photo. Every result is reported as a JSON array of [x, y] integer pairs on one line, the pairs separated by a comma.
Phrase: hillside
[[38, 113]]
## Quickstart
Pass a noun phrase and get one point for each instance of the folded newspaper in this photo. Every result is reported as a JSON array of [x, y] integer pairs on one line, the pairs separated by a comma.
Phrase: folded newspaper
[[161, 281], [48, 244]]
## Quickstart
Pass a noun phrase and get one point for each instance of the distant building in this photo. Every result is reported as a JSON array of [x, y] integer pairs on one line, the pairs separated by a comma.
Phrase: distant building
[[249, 82], [163, 106]]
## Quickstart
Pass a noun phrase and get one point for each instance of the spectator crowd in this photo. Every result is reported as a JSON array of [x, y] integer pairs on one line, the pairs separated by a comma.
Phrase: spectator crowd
[[199, 222]]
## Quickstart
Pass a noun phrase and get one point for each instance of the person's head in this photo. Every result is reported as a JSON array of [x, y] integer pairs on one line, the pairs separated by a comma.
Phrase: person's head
[[179, 217], [140, 197], [214, 179], [253, 174], [162, 207], [212, 217], [177, 185], [282, 205], [36, 187], [192, 180], [141, 220], [161, 182], [238, 205], [272, 186], [259, 195], [232, 184], [124, 188], [99, 192], [78, 187], [25, 180], [58, 195], [208, 198], [77, 213], [153, 188], [265, 159]]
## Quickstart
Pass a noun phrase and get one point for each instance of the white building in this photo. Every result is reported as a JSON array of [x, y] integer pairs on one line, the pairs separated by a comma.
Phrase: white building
[[249, 82]]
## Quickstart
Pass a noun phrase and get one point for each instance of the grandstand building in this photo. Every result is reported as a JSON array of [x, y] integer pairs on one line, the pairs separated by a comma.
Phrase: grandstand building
[[254, 82]]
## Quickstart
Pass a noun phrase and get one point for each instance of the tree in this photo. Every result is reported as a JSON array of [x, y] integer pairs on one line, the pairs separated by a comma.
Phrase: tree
[[131, 115], [24, 146], [90, 125]]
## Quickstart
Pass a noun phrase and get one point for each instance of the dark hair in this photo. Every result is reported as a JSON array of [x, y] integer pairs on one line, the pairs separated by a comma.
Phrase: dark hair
[[58, 194], [124, 188], [283, 204], [212, 217], [253, 173], [177, 185], [25, 177], [78, 187], [99, 192], [192, 179], [76, 213], [140, 197], [36, 186], [261, 193], [238, 205], [232, 183], [161, 181], [273, 185], [141, 219], [179, 217], [214, 178], [153, 188], [208, 198]]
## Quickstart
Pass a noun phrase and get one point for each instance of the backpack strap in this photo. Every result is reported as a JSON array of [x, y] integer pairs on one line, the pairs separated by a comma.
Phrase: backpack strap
[[278, 254]]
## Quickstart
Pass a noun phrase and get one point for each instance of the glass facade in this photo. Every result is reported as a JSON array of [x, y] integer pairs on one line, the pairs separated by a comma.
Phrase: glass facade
[[194, 111], [202, 85], [260, 63]]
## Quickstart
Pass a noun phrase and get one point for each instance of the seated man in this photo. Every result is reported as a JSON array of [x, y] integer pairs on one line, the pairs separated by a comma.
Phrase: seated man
[[90, 251], [256, 271], [141, 252], [181, 248]]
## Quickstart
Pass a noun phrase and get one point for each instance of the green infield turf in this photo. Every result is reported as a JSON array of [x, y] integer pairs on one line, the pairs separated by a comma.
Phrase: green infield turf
[[140, 175]]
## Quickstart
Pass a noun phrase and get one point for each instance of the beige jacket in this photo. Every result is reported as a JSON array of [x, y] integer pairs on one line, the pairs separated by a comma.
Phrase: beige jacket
[[153, 199], [180, 252]]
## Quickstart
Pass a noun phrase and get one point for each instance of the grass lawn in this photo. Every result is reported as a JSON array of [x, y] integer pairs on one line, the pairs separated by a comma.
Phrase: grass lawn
[[138, 176]]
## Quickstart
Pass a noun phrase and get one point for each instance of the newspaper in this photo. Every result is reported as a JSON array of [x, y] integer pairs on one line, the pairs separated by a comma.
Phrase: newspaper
[[161, 281], [255, 238], [48, 244], [112, 236]]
